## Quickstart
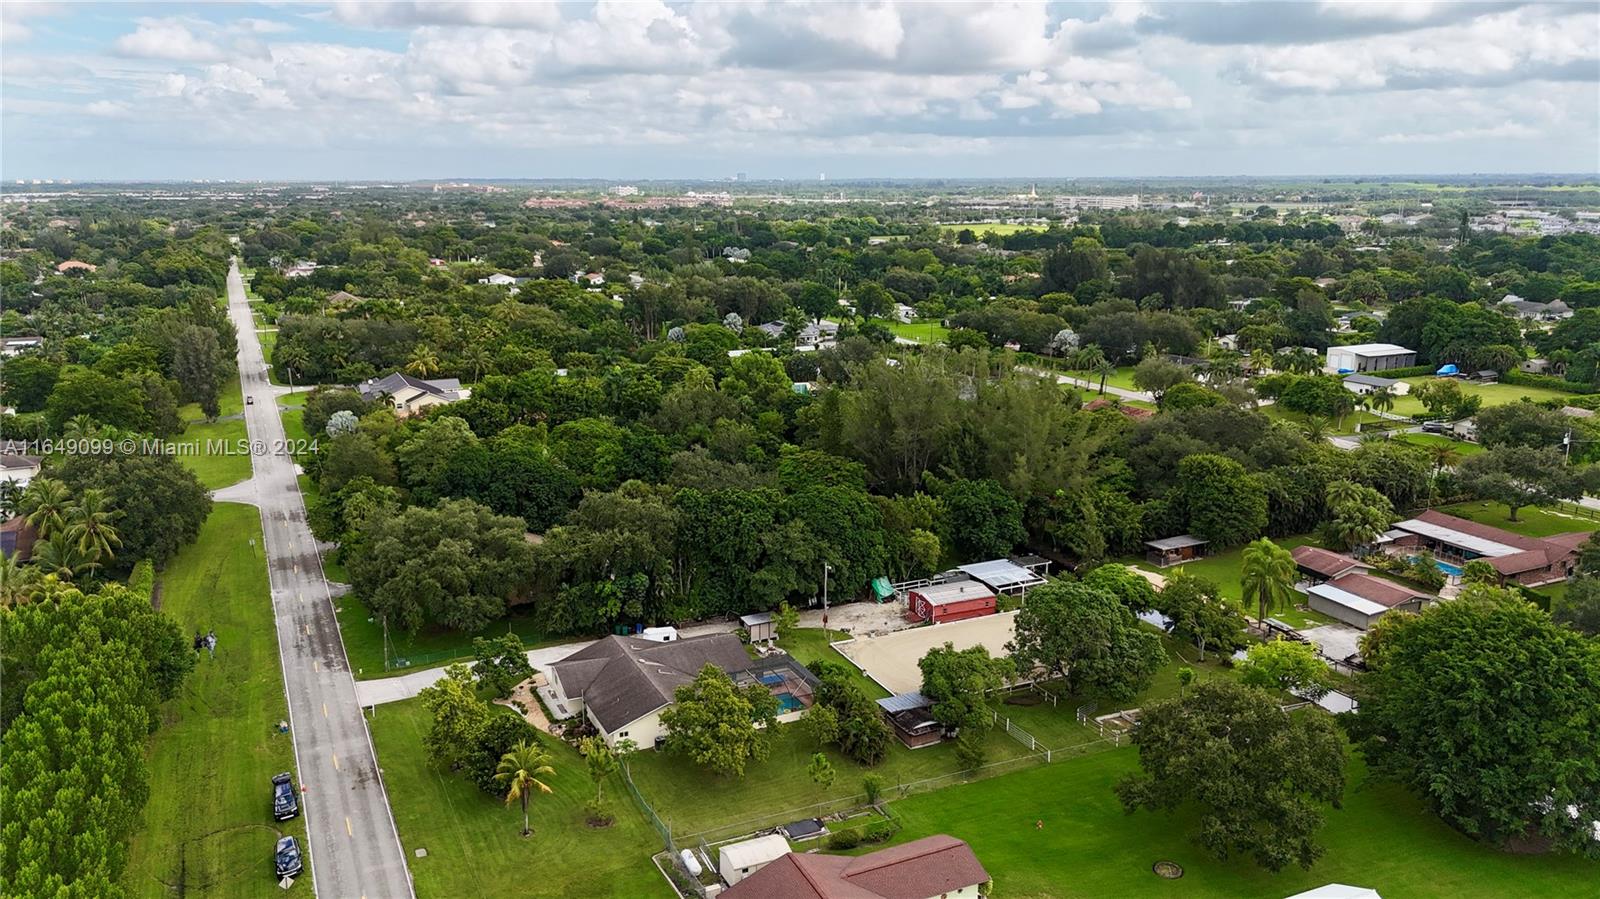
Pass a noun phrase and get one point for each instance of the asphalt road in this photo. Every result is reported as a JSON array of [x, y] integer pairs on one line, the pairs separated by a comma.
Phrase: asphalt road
[[353, 846]]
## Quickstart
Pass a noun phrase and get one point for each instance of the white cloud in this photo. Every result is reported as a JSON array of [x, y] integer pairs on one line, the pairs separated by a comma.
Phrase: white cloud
[[168, 39], [767, 80], [403, 15]]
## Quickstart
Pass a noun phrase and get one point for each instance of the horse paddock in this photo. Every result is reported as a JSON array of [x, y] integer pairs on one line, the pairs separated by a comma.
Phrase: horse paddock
[[891, 659]]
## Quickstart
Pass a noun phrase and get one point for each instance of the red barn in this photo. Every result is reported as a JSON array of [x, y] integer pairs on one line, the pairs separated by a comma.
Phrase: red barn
[[953, 601]]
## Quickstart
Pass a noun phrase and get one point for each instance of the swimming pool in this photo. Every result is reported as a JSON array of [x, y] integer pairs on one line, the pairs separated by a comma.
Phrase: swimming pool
[[788, 703], [1446, 567]]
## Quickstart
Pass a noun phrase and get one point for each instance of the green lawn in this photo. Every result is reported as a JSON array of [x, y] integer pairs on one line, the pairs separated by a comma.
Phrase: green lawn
[[1532, 522], [920, 331], [1122, 377], [230, 402], [293, 400], [1493, 395], [1004, 230], [1344, 428], [207, 829], [1223, 569], [217, 459], [693, 800], [1462, 448], [473, 841], [809, 645], [1089, 847], [363, 637]]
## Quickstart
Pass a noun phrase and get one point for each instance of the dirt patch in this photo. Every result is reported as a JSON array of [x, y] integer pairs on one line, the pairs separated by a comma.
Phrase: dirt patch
[[1024, 699], [155, 596]]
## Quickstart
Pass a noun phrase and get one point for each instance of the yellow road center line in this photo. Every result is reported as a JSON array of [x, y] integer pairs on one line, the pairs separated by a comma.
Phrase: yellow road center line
[[347, 829], [324, 710], [335, 760]]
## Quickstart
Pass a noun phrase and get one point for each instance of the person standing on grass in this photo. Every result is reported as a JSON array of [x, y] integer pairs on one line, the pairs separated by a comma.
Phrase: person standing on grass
[[211, 643]]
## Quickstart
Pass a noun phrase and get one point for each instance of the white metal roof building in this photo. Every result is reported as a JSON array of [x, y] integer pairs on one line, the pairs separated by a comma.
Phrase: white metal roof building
[[1361, 357], [1453, 537], [1002, 575]]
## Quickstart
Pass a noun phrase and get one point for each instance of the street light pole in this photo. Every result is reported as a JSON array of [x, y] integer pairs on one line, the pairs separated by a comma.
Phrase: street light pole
[[825, 568]]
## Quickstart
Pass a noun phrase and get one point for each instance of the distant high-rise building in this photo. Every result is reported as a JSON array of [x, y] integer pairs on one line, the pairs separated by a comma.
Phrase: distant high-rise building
[[822, 176], [741, 176]]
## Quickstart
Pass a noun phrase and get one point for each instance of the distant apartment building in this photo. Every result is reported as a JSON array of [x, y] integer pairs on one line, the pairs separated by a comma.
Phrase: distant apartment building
[[1109, 201]]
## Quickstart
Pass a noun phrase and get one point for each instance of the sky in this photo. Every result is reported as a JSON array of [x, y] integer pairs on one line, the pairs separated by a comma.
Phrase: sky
[[651, 90]]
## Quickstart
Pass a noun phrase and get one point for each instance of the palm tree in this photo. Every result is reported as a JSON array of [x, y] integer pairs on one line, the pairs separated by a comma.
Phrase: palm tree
[[79, 428], [1444, 456], [1381, 400], [520, 770], [1104, 369], [18, 583], [1260, 361], [1315, 428], [294, 360], [47, 501], [91, 527], [476, 356], [60, 556], [424, 361], [1267, 574], [1343, 493]]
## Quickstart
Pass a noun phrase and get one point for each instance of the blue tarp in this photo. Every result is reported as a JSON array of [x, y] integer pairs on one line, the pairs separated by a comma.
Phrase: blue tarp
[[1448, 370]]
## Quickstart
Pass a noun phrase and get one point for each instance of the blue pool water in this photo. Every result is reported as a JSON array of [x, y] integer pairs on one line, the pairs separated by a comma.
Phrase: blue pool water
[[787, 703], [1446, 567]]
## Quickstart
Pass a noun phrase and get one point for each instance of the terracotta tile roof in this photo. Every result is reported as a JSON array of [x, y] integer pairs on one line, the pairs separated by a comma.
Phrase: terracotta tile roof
[[1322, 561], [1381, 591], [916, 870]]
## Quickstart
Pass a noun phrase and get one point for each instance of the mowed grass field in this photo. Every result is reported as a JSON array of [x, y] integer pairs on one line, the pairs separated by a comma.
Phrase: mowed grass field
[[1088, 847], [216, 461], [920, 331], [1492, 394], [1531, 521], [207, 830], [1224, 569], [219, 457], [363, 638], [983, 228], [473, 840]]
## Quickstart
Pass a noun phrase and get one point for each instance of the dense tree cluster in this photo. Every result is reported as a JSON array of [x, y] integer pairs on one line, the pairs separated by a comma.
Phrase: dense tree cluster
[[84, 676]]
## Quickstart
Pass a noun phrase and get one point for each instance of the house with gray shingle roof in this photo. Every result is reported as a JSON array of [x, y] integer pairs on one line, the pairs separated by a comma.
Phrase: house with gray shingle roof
[[623, 684]]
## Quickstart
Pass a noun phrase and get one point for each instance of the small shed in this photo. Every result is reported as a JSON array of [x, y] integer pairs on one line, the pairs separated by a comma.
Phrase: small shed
[[736, 861], [1175, 550], [951, 601], [909, 715], [760, 625]]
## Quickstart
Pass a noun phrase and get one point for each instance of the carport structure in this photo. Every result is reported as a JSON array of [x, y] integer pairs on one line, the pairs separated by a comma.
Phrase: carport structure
[[1003, 576]]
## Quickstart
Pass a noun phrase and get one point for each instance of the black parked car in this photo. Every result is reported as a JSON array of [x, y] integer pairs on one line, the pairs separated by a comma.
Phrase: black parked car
[[285, 804], [286, 861]]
